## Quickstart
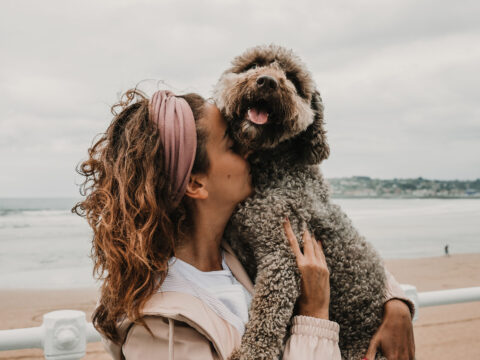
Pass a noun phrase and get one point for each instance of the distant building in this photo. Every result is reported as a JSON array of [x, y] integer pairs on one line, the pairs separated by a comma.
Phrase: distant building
[[364, 186]]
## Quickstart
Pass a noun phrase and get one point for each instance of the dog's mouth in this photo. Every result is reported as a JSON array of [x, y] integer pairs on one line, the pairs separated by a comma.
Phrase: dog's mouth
[[259, 112]]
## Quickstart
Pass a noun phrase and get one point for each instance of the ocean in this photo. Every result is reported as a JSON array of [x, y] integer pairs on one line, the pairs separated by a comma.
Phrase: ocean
[[44, 245]]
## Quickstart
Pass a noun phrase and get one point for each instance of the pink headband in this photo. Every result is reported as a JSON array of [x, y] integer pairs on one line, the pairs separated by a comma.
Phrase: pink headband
[[178, 134]]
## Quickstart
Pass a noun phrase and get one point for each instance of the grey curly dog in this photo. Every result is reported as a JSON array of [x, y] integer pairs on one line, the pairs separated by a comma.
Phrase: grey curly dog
[[273, 108]]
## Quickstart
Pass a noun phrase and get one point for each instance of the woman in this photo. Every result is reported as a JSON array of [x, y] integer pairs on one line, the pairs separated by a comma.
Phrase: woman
[[160, 186]]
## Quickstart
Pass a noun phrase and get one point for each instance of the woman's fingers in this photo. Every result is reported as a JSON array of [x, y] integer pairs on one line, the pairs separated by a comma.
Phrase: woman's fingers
[[312, 249], [316, 247], [308, 249], [292, 239], [315, 294], [319, 250]]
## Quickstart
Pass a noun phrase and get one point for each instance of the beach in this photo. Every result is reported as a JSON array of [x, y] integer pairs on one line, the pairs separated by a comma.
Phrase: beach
[[447, 331], [442, 332]]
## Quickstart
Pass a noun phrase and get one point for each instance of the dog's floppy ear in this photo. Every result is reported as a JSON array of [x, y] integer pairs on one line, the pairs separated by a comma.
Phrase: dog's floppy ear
[[311, 144]]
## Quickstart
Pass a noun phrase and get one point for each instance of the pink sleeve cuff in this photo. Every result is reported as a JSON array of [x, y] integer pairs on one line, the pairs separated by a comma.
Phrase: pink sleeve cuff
[[312, 339], [307, 325]]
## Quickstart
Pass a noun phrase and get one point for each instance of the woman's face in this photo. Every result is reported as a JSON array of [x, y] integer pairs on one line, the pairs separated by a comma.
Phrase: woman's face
[[228, 178]]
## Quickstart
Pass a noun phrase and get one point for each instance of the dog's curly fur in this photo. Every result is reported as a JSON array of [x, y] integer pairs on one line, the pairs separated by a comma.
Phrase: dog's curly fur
[[287, 182]]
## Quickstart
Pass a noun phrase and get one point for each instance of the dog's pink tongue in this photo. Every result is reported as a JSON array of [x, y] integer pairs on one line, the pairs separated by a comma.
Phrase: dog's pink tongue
[[257, 117]]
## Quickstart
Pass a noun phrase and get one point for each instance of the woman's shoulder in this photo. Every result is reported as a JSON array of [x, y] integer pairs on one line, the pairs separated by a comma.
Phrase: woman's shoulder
[[184, 320], [191, 312], [168, 335], [174, 318]]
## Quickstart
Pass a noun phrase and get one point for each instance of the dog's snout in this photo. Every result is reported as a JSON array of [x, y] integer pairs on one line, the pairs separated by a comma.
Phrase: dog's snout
[[267, 82]]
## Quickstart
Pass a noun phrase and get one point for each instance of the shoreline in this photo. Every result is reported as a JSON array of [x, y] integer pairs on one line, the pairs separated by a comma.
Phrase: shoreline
[[476, 197], [441, 332]]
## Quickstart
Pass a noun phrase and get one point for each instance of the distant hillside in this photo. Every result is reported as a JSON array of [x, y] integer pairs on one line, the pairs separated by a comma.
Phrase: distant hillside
[[364, 186]]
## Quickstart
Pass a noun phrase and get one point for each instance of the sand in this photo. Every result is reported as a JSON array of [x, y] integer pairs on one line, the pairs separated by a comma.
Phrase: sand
[[442, 332], [447, 331]]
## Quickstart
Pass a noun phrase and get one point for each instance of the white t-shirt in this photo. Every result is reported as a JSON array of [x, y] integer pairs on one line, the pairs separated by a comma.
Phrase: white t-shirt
[[221, 284]]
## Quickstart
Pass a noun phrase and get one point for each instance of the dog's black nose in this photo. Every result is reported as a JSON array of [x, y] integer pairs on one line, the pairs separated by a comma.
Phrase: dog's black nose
[[267, 82]]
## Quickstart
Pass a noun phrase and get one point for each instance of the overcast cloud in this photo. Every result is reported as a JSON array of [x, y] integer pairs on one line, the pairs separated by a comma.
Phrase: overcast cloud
[[399, 79]]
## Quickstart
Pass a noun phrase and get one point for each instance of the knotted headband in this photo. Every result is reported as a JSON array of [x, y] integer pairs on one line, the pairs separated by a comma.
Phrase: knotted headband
[[174, 118]]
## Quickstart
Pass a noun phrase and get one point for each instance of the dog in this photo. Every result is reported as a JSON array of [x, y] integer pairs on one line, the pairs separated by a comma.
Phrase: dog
[[274, 110]]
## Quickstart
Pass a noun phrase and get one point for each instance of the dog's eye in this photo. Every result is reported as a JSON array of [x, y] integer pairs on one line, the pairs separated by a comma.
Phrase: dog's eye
[[251, 66], [295, 83]]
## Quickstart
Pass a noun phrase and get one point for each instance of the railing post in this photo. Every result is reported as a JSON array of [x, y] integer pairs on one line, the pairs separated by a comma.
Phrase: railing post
[[65, 335]]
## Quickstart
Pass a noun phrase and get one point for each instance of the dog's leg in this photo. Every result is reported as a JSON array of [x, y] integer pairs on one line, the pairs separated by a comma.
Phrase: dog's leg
[[277, 288]]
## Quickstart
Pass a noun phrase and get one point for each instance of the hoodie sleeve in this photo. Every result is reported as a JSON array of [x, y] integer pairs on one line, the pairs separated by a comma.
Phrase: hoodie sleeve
[[394, 291], [312, 338], [181, 343]]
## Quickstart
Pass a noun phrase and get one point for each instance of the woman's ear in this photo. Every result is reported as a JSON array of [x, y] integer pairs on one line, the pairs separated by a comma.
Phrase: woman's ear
[[196, 187]]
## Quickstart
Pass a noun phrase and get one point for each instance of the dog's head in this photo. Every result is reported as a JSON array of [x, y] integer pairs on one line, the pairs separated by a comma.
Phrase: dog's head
[[269, 99]]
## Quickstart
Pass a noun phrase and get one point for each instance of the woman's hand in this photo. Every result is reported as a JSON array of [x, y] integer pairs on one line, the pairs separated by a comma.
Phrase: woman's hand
[[315, 294], [395, 334]]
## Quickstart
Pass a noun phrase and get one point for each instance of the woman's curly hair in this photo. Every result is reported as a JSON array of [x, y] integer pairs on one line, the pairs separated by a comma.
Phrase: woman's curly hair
[[126, 203]]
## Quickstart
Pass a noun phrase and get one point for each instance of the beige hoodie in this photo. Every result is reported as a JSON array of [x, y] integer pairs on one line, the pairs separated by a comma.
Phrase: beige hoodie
[[184, 327]]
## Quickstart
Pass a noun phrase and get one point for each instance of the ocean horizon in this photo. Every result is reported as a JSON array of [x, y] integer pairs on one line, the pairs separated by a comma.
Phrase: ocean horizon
[[44, 245]]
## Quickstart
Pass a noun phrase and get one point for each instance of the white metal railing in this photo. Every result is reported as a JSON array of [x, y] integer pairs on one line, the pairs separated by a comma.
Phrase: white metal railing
[[64, 334], [440, 297]]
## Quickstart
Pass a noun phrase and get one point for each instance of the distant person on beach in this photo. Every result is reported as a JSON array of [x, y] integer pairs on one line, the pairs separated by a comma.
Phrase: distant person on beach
[[446, 250], [160, 186]]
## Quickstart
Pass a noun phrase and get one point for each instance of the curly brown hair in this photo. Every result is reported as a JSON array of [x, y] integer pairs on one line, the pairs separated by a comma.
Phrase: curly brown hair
[[126, 203]]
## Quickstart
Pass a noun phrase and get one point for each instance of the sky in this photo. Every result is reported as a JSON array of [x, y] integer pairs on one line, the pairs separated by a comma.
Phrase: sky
[[399, 79]]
